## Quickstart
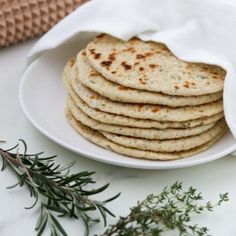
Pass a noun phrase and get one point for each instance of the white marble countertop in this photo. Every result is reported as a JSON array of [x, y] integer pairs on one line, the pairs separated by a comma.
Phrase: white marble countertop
[[213, 178]]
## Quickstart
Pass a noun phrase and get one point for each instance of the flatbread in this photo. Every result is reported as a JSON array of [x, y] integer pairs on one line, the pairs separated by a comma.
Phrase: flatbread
[[134, 132], [95, 137], [95, 81], [143, 111], [151, 66], [114, 119], [172, 145]]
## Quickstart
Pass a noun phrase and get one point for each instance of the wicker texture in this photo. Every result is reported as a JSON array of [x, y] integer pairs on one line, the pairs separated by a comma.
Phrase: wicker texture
[[23, 19]]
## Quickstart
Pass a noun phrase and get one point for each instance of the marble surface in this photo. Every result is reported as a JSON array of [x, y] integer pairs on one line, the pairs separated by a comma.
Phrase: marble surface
[[212, 178]]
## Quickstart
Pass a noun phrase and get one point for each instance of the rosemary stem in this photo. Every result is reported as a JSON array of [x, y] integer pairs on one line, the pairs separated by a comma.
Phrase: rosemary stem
[[9, 158]]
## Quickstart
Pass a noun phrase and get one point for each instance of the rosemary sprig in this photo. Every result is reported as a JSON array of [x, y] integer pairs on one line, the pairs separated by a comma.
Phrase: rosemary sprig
[[171, 210], [58, 191]]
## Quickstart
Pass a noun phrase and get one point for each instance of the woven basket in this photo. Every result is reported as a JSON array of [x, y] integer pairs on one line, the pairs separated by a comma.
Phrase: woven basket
[[23, 19]]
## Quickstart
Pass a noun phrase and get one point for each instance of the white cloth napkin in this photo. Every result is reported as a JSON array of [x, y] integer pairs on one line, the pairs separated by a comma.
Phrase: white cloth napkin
[[194, 30]]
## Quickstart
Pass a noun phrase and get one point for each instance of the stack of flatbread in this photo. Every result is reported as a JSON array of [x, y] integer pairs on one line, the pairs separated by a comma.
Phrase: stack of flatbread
[[136, 98]]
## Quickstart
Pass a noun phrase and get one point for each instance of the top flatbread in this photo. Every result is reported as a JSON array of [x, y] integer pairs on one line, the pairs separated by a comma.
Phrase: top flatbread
[[151, 66], [88, 76], [109, 118]]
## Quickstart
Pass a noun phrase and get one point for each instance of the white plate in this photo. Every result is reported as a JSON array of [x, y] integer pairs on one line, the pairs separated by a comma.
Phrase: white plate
[[43, 98]]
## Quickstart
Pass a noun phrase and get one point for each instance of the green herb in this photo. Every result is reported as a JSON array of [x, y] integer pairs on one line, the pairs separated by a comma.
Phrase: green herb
[[59, 191], [203, 77], [68, 195], [171, 210]]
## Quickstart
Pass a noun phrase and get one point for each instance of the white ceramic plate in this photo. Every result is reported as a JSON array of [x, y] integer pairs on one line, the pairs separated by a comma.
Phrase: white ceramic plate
[[43, 98]]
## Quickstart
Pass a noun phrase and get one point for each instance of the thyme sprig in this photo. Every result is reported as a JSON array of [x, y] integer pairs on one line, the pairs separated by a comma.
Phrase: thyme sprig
[[171, 210], [58, 191]]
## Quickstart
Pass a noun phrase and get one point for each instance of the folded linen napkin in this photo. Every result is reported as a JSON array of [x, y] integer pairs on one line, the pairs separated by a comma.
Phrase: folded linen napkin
[[194, 30]]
